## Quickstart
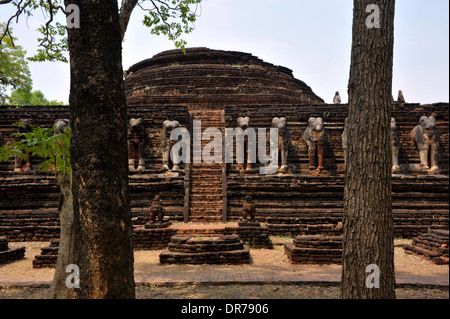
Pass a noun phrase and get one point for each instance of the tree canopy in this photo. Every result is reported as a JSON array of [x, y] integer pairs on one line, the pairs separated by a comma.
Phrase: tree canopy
[[14, 71], [28, 97]]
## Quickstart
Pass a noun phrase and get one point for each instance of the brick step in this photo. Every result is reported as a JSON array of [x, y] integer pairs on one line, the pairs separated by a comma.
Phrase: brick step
[[207, 219]]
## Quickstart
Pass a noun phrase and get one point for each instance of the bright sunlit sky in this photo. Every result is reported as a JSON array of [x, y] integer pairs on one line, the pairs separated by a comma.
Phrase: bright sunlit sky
[[312, 38]]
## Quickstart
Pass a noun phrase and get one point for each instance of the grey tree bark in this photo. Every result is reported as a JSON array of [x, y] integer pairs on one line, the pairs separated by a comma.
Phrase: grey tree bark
[[58, 288], [368, 223]]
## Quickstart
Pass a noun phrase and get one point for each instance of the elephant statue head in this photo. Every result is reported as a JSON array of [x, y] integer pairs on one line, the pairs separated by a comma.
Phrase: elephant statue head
[[243, 122], [61, 124], [26, 124], [280, 124]]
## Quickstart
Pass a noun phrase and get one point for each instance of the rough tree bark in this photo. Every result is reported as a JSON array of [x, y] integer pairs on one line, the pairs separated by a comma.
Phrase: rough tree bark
[[368, 222], [102, 219]]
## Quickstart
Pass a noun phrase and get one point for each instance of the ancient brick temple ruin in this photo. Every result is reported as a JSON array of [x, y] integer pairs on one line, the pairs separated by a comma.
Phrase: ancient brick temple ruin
[[228, 90]]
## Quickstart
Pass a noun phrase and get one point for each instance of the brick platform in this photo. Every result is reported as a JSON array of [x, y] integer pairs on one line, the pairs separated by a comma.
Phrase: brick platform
[[315, 250], [48, 257], [9, 255], [206, 250], [433, 245]]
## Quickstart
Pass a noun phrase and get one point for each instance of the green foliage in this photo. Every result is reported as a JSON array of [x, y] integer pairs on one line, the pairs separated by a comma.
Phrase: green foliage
[[27, 97], [47, 143], [171, 18], [326, 115], [14, 71]]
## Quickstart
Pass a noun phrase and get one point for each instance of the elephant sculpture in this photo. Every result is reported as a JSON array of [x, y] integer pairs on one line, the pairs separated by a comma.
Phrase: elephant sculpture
[[136, 143], [244, 123], [426, 139], [395, 145], [315, 138], [283, 140], [167, 143], [26, 127]]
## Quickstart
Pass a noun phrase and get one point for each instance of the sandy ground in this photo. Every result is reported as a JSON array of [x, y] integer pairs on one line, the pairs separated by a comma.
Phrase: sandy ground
[[264, 261]]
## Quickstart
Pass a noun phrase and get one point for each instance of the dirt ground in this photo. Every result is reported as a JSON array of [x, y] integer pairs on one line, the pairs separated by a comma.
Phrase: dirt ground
[[264, 261]]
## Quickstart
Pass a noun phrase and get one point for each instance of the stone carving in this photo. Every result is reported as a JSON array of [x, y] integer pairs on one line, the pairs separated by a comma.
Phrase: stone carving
[[248, 209], [337, 98], [395, 145], [400, 98], [283, 140], [156, 210], [315, 137], [167, 143], [61, 124], [244, 123], [426, 138], [18, 165], [136, 143]]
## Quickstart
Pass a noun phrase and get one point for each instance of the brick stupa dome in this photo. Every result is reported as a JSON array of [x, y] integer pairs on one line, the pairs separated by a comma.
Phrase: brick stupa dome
[[213, 78]]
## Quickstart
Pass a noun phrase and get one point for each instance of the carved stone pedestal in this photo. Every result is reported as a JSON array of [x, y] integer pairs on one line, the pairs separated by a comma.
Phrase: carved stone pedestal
[[315, 249], [7, 254], [206, 250], [254, 234]]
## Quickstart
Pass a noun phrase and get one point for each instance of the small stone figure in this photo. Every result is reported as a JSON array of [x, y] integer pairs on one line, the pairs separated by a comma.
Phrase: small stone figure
[[426, 138], [25, 128], [136, 143], [248, 208], [315, 137], [283, 140], [167, 143], [395, 144], [400, 98], [156, 210], [337, 98]]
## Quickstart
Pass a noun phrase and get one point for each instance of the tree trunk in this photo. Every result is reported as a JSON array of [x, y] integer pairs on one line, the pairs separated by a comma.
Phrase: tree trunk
[[103, 248], [58, 288], [368, 222]]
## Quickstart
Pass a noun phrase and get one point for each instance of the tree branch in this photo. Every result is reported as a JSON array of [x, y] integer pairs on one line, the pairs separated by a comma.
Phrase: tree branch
[[5, 1], [124, 15]]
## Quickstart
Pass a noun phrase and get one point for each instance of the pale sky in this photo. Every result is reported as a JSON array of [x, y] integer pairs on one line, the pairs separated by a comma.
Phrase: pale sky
[[312, 38]]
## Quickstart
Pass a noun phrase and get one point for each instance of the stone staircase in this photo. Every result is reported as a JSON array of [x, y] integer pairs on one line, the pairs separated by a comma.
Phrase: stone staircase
[[206, 178]]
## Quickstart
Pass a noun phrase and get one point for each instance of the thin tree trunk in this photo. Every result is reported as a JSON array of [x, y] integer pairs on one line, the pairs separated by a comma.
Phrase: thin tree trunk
[[368, 222], [98, 116], [58, 288]]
